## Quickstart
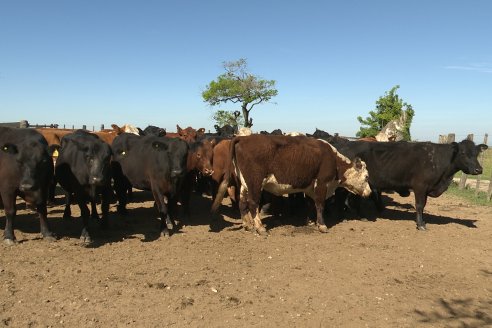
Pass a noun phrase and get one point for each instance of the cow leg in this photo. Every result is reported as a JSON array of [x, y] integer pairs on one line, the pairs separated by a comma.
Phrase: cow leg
[[161, 202], [121, 189], [43, 222], [244, 211], [320, 221], [94, 214], [254, 195], [10, 210], [105, 200], [378, 201], [320, 193], [67, 213], [51, 192], [84, 213], [420, 202]]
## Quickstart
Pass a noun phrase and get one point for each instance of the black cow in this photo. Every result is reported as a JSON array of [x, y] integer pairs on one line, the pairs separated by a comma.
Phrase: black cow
[[150, 163], [83, 170], [226, 131], [152, 130], [26, 170], [424, 167]]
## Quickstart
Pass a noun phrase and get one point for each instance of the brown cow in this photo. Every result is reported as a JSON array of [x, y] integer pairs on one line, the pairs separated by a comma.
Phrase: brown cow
[[219, 165], [284, 165], [199, 161], [189, 134]]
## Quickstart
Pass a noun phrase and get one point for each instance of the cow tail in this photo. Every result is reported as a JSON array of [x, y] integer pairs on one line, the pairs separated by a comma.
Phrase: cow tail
[[227, 176]]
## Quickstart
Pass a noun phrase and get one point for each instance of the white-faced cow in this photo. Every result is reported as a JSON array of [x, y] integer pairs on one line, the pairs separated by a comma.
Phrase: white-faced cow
[[424, 167], [284, 165], [150, 163], [26, 170], [83, 170]]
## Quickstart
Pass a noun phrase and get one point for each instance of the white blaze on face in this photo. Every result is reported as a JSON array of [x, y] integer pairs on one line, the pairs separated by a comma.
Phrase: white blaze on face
[[356, 180]]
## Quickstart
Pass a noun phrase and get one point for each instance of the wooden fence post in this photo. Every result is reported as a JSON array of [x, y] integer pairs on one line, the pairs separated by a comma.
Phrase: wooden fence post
[[481, 158], [463, 175], [451, 137]]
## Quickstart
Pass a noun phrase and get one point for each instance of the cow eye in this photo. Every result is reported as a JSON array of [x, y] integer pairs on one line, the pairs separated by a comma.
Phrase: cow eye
[[198, 155]]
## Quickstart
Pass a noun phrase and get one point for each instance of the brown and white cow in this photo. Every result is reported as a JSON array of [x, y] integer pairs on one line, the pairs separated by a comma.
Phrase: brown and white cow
[[284, 165]]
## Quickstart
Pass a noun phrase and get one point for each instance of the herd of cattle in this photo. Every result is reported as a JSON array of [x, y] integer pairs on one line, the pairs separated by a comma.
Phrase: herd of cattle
[[93, 166]]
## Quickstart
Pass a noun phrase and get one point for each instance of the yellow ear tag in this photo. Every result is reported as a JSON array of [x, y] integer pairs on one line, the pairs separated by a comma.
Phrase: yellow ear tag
[[55, 153]]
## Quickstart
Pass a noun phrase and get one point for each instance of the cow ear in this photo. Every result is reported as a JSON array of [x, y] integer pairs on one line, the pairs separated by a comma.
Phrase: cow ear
[[116, 128], [162, 133], [10, 148], [140, 132], [358, 163], [200, 131], [482, 147], [159, 145], [178, 128]]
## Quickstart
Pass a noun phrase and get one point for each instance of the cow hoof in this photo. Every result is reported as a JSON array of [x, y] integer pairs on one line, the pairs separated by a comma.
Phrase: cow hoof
[[165, 234], [323, 228], [49, 238], [10, 242], [422, 228], [85, 240], [262, 231]]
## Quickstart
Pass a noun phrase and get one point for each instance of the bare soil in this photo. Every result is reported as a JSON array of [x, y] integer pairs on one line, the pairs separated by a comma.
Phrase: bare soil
[[377, 273]]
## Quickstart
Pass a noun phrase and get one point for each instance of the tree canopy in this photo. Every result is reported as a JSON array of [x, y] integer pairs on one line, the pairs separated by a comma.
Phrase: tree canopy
[[388, 107], [236, 85]]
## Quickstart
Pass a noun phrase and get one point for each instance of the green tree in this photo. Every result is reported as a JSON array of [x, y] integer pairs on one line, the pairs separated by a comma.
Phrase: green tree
[[236, 85], [388, 107], [223, 117]]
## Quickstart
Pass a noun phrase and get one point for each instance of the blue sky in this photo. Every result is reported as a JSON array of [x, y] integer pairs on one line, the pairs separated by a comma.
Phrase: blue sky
[[94, 62]]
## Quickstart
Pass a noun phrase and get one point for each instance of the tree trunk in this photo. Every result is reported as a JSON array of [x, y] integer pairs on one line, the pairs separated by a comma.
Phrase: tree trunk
[[248, 123]]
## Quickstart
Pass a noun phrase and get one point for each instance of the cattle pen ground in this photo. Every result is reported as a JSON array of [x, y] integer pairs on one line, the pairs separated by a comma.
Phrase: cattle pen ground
[[376, 273]]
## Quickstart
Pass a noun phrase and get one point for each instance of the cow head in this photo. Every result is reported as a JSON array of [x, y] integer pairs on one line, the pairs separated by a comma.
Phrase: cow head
[[200, 156], [178, 152], [466, 154], [356, 178], [89, 159], [36, 166], [188, 134]]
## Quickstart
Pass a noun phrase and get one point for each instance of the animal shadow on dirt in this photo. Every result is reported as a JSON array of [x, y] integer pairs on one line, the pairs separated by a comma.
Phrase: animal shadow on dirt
[[393, 211], [459, 313]]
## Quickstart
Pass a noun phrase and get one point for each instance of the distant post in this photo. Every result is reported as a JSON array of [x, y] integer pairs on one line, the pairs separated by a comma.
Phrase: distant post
[[481, 158], [463, 175], [102, 127]]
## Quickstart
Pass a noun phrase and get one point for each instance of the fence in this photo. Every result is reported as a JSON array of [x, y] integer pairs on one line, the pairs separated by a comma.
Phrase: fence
[[484, 158], [26, 124]]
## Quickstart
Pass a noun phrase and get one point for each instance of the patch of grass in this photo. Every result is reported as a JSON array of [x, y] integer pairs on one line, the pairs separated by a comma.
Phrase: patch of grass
[[468, 194]]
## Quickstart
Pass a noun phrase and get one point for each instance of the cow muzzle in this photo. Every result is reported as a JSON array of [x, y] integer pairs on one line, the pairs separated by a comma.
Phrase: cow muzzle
[[176, 173], [26, 187], [208, 172]]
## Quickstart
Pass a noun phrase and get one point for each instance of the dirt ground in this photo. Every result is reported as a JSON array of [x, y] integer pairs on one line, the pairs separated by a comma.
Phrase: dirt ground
[[376, 273]]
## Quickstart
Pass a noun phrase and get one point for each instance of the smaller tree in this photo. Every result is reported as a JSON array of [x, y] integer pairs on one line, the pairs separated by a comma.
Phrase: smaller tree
[[225, 117], [388, 107], [236, 85]]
